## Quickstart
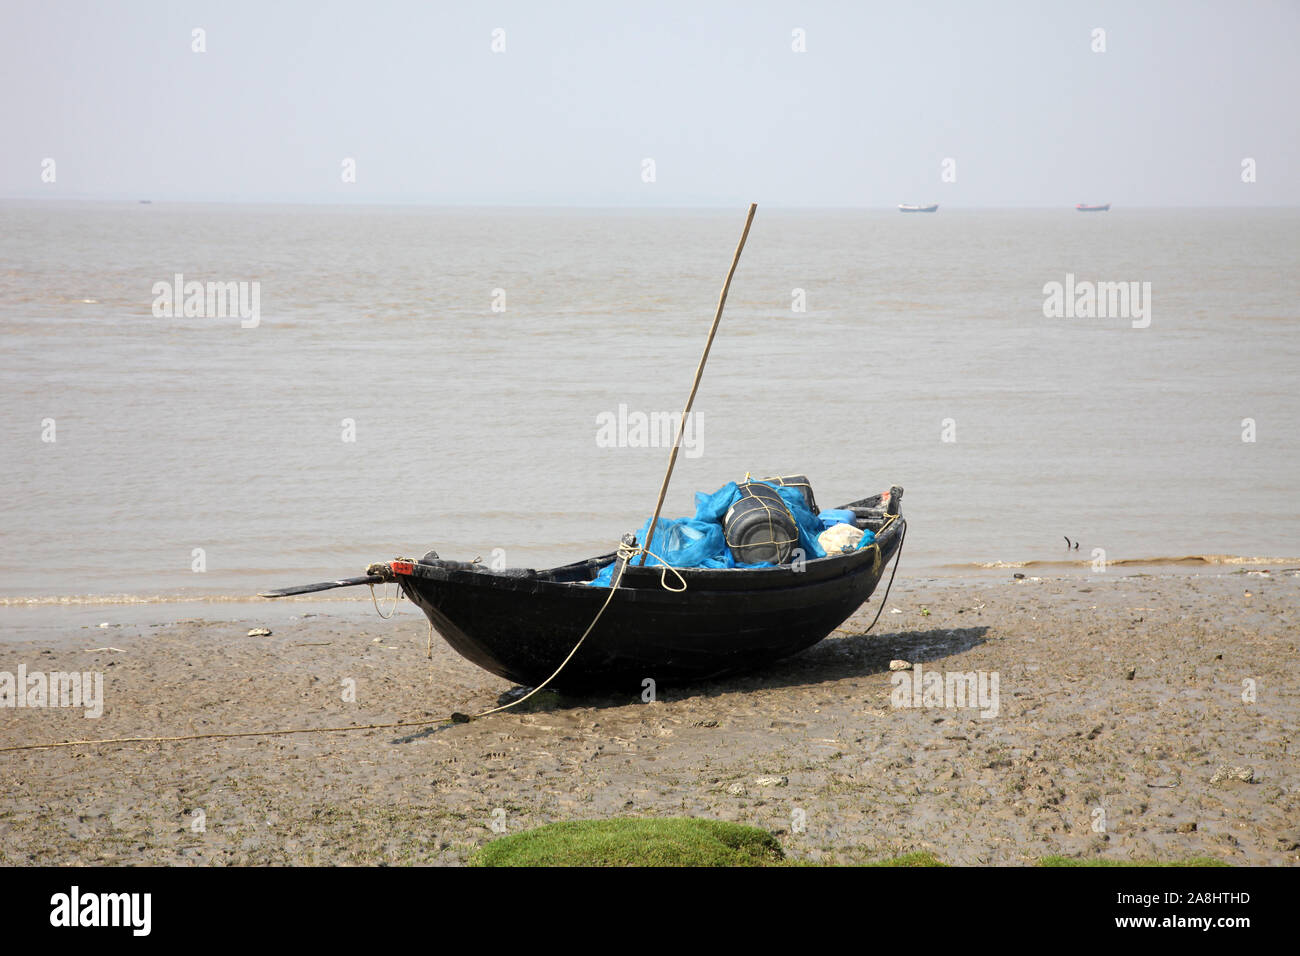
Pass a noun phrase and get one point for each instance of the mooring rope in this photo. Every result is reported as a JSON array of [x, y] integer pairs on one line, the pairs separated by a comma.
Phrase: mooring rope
[[216, 736], [625, 553], [898, 556], [392, 609], [624, 557]]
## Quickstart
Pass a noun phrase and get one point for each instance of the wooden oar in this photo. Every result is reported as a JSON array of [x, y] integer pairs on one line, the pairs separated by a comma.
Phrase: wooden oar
[[323, 586]]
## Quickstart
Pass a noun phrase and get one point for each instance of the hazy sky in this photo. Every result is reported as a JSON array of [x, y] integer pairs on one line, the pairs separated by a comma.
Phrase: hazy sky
[[713, 93]]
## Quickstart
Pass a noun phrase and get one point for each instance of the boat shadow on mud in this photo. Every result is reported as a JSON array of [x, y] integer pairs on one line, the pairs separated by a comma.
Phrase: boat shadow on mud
[[840, 657]]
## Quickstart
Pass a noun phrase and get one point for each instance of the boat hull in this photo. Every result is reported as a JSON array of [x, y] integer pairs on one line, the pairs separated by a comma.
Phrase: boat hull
[[521, 626]]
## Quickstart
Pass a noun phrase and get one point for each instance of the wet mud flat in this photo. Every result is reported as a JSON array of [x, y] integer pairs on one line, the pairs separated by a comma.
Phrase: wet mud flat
[[1135, 717]]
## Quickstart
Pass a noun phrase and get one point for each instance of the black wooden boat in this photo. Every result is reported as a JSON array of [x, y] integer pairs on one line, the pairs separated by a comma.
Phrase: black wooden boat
[[521, 623], [553, 628]]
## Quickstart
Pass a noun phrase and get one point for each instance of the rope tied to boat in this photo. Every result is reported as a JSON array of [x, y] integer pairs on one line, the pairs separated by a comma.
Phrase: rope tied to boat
[[626, 552], [384, 571], [392, 608], [898, 556], [455, 718]]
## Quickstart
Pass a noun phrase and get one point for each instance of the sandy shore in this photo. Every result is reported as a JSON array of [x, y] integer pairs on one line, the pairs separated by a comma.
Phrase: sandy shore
[[1120, 697]]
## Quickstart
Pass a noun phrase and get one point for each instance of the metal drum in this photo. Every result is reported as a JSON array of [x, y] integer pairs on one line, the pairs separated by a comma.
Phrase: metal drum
[[759, 527]]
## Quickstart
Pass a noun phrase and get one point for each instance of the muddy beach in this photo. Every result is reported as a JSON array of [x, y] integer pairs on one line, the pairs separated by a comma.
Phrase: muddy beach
[[1136, 716]]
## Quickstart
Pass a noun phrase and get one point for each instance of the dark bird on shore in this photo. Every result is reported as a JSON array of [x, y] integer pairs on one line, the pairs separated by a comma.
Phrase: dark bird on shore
[[1067, 543]]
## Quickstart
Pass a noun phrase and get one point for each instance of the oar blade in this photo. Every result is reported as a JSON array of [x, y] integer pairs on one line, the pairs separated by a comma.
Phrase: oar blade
[[323, 586]]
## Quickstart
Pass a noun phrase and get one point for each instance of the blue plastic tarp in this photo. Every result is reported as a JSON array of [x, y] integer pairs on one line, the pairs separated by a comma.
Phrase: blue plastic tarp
[[699, 542]]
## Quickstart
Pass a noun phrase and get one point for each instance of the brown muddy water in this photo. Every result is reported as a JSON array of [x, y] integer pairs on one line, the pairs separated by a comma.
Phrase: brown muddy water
[[423, 377]]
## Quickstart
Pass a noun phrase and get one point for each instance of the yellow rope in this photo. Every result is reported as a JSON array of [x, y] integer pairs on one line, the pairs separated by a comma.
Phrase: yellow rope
[[624, 553], [213, 736], [392, 610]]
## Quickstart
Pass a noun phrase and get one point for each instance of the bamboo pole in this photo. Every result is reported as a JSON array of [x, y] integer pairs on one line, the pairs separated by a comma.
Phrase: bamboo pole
[[695, 386]]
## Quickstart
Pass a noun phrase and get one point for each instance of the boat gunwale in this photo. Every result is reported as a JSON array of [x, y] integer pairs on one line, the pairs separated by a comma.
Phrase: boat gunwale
[[648, 578]]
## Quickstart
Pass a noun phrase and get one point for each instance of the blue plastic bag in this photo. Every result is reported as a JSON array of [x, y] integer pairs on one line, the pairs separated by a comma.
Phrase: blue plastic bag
[[699, 542]]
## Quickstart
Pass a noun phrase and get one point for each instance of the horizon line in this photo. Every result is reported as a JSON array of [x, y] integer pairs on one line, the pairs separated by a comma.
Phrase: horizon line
[[442, 204]]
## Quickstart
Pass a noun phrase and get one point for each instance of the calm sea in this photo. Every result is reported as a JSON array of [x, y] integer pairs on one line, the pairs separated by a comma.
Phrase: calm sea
[[425, 377]]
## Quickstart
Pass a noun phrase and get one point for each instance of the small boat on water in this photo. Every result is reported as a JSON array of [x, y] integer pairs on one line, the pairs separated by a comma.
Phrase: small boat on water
[[1089, 207], [911, 207], [521, 623]]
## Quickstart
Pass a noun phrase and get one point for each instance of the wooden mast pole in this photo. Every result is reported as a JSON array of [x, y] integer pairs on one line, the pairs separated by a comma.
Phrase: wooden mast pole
[[695, 386]]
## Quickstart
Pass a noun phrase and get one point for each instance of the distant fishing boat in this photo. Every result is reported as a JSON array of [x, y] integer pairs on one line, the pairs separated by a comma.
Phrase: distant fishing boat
[[912, 207], [1089, 207]]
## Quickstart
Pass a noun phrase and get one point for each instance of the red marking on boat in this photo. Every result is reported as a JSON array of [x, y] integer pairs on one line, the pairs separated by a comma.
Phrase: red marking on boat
[[403, 567]]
